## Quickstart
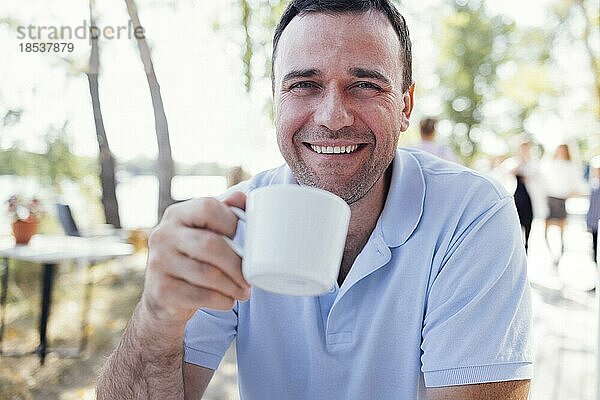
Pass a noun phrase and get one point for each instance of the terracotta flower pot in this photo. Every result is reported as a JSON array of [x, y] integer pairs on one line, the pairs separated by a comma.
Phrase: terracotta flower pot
[[24, 230]]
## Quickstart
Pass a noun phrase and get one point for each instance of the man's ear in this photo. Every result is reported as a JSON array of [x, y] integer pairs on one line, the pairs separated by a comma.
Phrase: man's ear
[[408, 100]]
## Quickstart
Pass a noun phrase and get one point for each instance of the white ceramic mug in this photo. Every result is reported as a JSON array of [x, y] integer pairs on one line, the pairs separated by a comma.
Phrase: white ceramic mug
[[294, 239]]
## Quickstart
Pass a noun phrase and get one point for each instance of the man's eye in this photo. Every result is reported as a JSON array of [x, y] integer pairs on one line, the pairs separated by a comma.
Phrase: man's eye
[[302, 85], [367, 85]]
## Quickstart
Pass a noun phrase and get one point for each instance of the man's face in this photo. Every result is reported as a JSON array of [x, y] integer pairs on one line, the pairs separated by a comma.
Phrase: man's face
[[338, 86]]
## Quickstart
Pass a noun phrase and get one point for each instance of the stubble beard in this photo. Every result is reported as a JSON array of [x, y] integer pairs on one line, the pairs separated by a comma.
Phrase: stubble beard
[[351, 192], [358, 186]]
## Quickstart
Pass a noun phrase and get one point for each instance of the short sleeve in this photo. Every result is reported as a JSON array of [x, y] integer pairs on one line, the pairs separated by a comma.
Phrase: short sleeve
[[208, 335], [477, 325]]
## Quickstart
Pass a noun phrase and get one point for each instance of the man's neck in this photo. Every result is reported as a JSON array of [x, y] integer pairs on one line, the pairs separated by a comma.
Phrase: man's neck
[[364, 216]]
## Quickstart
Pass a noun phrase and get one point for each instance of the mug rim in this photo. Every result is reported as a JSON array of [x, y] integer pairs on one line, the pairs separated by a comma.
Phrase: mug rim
[[286, 186]]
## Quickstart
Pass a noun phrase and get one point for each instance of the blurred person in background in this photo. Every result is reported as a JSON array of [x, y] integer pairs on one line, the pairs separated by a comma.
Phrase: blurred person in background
[[563, 178], [524, 171], [429, 144], [593, 214], [235, 175]]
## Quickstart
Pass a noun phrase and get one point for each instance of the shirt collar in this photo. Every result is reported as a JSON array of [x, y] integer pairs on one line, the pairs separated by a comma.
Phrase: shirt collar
[[404, 203], [288, 176]]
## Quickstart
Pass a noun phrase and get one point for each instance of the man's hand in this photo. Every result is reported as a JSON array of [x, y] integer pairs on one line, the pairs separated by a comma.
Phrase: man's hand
[[189, 266], [189, 263]]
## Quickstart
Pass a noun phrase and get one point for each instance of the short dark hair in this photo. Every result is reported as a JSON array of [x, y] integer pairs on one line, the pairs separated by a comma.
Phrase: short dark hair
[[301, 7], [427, 126]]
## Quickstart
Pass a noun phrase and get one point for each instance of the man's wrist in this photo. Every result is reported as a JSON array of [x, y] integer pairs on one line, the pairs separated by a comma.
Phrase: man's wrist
[[147, 362], [160, 334]]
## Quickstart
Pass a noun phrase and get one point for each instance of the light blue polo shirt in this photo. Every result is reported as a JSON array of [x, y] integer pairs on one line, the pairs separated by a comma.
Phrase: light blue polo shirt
[[438, 297]]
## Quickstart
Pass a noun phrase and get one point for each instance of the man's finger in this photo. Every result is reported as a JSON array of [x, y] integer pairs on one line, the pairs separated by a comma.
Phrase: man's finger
[[236, 199], [192, 297], [205, 275], [210, 248], [207, 213]]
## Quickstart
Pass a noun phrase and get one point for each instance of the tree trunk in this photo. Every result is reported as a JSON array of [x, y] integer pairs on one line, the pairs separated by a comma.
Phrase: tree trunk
[[165, 168], [107, 161]]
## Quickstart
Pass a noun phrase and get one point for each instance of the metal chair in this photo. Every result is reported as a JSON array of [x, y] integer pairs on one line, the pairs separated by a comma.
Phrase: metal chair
[[65, 217]]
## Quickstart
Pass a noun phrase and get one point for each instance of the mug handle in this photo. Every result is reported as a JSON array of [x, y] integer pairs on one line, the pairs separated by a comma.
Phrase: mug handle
[[241, 214]]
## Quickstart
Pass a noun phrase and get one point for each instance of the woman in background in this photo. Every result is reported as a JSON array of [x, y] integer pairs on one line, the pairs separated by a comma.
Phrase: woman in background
[[562, 179]]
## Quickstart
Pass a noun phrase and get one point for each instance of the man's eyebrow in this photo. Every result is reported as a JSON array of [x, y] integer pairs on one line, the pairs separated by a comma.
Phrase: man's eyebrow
[[369, 73], [301, 73]]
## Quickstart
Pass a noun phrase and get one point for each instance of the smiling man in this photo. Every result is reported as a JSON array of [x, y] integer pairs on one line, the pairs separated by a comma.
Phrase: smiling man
[[432, 299]]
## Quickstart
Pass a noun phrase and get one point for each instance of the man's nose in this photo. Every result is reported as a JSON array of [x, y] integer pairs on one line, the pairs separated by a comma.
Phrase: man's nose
[[332, 113]]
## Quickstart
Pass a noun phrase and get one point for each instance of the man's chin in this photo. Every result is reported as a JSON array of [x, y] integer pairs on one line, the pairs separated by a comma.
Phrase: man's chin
[[349, 192], [349, 187]]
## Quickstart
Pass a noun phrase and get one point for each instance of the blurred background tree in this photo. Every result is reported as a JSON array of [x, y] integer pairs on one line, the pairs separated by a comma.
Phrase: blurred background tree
[[52, 166], [577, 25], [580, 21], [165, 167], [473, 45], [106, 159]]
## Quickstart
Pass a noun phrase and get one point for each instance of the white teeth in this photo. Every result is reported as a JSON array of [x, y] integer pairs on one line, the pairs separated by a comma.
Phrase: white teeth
[[333, 150]]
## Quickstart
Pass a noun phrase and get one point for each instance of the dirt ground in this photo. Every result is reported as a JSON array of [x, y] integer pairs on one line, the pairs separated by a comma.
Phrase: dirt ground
[[116, 289]]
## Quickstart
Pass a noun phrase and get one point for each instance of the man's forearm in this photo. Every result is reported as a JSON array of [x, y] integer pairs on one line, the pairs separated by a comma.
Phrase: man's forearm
[[145, 365]]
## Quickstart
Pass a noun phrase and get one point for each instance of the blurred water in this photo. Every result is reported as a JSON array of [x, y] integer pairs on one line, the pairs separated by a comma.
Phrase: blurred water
[[137, 196]]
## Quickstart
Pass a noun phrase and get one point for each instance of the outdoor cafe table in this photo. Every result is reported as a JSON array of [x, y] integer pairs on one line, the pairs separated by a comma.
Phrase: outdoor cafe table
[[49, 252]]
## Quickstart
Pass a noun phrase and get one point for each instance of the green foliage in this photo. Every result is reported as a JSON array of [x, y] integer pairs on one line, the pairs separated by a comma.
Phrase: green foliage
[[473, 45], [248, 51], [143, 165], [10, 22], [527, 77], [201, 168], [257, 21], [60, 162], [579, 20], [14, 161], [55, 164], [260, 18]]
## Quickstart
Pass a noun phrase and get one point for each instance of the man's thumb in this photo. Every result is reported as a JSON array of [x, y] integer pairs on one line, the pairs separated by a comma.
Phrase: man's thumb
[[236, 199]]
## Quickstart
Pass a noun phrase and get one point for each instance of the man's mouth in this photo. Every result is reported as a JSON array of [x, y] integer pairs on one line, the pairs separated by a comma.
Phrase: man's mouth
[[333, 149]]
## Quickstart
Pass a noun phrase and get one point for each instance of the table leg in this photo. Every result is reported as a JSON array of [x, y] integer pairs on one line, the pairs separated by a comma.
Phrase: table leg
[[4, 289], [85, 310], [48, 283]]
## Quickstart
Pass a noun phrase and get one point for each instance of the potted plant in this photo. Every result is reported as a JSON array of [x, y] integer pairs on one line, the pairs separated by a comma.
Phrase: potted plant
[[25, 215]]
